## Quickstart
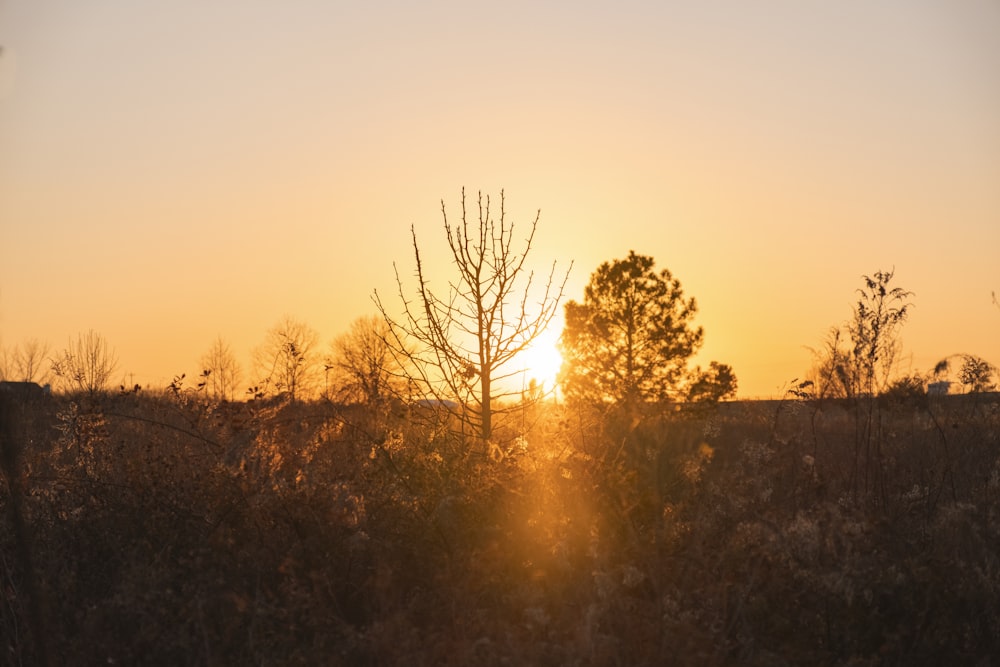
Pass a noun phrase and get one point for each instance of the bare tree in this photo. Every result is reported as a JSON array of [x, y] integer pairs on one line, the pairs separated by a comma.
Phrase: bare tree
[[6, 363], [835, 372], [222, 370], [31, 361], [86, 364], [286, 361], [365, 370], [463, 341], [27, 362]]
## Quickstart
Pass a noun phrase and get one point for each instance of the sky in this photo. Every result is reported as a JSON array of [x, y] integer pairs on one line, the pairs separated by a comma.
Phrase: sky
[[172, 172]]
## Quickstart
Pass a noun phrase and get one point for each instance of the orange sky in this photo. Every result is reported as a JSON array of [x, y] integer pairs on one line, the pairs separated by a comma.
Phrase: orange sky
[[174, 171]]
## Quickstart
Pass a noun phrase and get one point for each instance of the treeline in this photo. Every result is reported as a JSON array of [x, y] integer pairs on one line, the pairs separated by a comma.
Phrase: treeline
[[627, 343]]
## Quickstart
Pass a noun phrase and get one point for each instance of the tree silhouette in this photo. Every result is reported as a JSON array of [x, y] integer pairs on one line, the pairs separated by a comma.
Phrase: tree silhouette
[[456, 347], [878, 314], [976, 374], [365, 369], [86, 364], [874, 336], [630, 339], [223, 370], [834, 373], [27, 362], [858, 359], [711, 385], [286, 360]]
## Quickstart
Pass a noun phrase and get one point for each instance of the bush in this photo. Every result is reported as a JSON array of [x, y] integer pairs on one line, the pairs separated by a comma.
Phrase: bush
[[168, 529]]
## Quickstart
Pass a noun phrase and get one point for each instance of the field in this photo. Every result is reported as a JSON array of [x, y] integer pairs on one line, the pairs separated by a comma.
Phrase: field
[[164, 529]]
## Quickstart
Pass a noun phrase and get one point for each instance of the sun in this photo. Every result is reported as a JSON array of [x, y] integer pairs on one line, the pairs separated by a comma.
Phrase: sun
[[540, 361]]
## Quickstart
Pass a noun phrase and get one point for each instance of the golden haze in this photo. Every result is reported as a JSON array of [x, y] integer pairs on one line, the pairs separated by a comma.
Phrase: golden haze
[[173, 173]]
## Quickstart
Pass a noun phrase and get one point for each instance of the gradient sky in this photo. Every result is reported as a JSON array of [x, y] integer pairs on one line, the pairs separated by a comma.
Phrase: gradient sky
[[174, 171]]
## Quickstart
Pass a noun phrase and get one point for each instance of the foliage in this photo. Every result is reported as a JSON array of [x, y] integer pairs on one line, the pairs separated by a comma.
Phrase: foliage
[[172, 527], [630, 339], [166, 528], [712, 385], [859, 360], [977, 374], [457, 347], [858, 363], [878, 314], [907, 387]]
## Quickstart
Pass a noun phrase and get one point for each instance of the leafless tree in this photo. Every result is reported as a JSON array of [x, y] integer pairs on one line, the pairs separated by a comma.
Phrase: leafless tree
[[287, 360], [86, 364], [835, 372], [6, 363], [364, 368], [223, 370], [457, 346], [27, 362], [31, 360]]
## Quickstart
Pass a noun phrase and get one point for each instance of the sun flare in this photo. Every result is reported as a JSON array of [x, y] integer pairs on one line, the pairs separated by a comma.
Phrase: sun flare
[[541, 362]]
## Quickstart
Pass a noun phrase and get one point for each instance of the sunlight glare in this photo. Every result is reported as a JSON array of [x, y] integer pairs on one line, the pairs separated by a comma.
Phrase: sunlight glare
[[541, 361]]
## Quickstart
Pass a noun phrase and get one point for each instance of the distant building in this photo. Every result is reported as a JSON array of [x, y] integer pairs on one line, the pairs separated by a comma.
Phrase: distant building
[[24, 389], [939, 388]]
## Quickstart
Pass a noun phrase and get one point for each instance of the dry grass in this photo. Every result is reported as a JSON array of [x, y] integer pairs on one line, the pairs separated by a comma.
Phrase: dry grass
[[170, 530]]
